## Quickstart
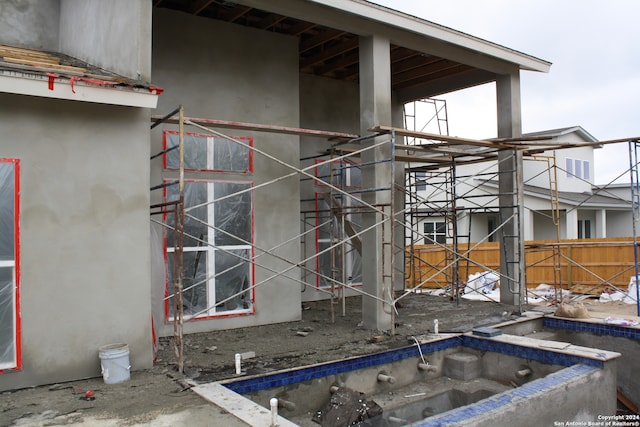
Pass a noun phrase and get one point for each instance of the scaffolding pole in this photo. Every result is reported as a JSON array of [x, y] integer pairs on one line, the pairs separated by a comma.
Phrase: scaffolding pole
[[635, 207]]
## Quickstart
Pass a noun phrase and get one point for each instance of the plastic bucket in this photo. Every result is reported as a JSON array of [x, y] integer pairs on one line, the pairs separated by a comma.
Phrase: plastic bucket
[[114, 360]]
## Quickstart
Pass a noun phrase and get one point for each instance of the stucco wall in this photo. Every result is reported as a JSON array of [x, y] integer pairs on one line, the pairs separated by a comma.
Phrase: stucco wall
[[30, 23], [224, 71], [84, 234], [103, 34], [619, 224], [560, 404], [325, 104], [627, 365]]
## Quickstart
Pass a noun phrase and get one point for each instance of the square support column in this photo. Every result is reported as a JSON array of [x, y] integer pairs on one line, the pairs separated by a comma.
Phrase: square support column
[[512, 263], [571, 224], [601, 223], [377, 173]]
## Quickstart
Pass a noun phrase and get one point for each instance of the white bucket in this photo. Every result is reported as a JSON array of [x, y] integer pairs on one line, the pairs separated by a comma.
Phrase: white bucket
[[114, 360]]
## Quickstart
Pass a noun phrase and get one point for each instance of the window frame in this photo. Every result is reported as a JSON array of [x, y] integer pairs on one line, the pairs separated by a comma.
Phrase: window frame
[[210, 250], [434, 235], [16, 270], [578, 168], [584, 229], [209, 138], [211, 177], [345, 165]]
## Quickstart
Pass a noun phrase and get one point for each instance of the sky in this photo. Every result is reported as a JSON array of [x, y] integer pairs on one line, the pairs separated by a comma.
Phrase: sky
[[594, 81]]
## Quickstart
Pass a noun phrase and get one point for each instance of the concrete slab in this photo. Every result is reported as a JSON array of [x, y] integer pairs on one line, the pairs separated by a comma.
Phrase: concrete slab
[[249, 412]]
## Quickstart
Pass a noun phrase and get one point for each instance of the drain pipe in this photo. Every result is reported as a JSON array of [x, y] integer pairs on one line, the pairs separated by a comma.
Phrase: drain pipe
[[274, 412]]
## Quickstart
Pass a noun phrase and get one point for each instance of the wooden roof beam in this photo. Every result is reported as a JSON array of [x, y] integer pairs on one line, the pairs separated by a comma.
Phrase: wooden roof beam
[[237, 13], [270, 20], [320, 38], [199, 7], [432, 76], [329, 53]]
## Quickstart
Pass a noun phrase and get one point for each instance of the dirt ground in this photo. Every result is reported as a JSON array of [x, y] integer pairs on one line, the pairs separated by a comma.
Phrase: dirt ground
[[159, 396]]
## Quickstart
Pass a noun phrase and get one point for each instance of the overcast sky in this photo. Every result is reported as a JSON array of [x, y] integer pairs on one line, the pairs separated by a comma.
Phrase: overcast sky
[[594, 82]]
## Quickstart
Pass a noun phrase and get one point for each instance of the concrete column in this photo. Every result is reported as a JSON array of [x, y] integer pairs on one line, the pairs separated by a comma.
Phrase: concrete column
[[512, 266], [527, 221], [571, 224], [375, 109], [601, 223]]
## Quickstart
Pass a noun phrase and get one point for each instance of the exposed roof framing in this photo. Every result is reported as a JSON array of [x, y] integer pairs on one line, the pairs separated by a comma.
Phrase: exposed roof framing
[[333, 52]]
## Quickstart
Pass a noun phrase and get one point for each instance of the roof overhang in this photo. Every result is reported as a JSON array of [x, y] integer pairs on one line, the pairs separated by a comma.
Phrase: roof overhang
[[385, 16], [427, 59], [76, 90]]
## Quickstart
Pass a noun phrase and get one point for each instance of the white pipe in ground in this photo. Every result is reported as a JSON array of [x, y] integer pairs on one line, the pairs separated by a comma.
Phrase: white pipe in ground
[[274, 411], [238, 363]]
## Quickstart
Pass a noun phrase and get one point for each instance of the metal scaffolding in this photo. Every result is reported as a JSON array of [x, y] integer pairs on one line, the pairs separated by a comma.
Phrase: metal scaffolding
[[332, 226], [635, 204]]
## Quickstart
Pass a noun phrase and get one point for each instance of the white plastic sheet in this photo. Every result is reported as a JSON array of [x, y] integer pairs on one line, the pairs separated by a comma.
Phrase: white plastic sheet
[[628, 297], [7, 267]]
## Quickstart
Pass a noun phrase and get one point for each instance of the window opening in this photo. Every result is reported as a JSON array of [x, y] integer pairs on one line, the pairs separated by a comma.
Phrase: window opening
[[585, 169], [217, 249], [435, 232], [9, 265], [208, 153], [584, 229], [491, 227], [346, 175], [569, 167]]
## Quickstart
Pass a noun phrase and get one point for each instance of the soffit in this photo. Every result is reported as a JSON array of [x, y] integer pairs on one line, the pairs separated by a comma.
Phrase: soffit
[[331, 51]]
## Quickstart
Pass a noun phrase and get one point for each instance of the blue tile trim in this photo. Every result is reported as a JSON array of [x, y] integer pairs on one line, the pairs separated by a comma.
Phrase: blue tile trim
[[541, 355], [278, 379], [592, 328], [502, 399]]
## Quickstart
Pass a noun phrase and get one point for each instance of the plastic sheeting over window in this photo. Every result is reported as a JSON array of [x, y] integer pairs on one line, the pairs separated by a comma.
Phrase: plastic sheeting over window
[[217, 248], [208, 153], [8, 284], [331, 229]]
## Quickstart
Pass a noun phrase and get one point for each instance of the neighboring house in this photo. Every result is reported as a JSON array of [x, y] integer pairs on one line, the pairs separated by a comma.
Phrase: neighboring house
[[559, 197], [81, 267]]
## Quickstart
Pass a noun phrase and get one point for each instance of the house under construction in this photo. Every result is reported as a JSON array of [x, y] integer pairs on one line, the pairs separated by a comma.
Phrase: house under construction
[[282, 178]]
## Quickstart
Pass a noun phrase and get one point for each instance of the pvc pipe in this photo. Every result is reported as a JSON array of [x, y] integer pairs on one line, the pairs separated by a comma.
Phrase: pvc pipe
[[435, 326], [426, 367], [274, 411], [523, 373], [290, 406], [386, 378], [334, 389], [238, 363]]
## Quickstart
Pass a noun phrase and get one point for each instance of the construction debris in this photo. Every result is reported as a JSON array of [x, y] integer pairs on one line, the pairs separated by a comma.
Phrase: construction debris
[[576, 311], [347, 408]]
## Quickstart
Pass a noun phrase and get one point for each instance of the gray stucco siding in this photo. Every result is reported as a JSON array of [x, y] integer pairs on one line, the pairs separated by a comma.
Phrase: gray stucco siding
[[223, 71], [84, 234]]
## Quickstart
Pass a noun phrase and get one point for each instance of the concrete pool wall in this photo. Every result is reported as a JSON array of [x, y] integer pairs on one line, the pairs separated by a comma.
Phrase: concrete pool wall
[[559, 393], [591, 333]]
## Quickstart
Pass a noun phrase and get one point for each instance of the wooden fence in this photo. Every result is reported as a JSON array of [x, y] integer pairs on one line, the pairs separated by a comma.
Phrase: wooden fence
[[584, 266]]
